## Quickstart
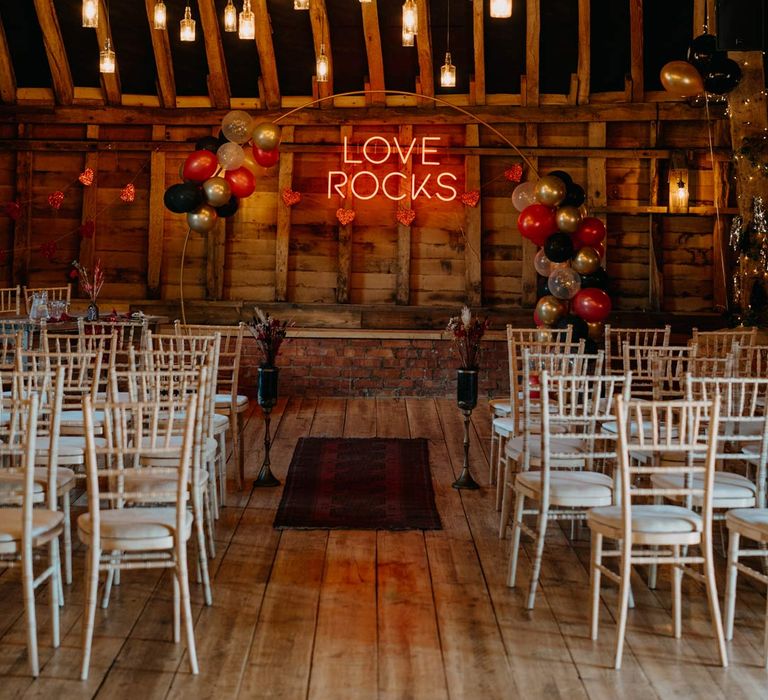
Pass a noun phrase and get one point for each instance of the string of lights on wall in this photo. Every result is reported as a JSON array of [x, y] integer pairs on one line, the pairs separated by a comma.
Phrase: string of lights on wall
[[244, 23]]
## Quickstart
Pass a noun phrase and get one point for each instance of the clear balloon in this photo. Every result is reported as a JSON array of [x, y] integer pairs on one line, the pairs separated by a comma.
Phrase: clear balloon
[[266, 136], [542, 263], [237, 126], [217, 191], [202, 219], [524, 195], [564, 283], [231, 156]]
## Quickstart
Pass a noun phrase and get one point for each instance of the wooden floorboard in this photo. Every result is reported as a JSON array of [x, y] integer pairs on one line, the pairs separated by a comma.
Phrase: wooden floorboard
[[313, 614]]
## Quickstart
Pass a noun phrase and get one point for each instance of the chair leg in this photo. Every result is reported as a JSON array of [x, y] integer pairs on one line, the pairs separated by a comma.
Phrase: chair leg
[[213, 489], [222, 469], [236, 448], [731, 575], [506, 504], [515, 551], [621, 628], [240, 451], [501, 470], [765, 638], [677, 598], [540, 536], [596, 560], [65, 509], [108, 587], [492, 456], [89, 615], [208, 519], [202, 553], [653, 572], [714, 603], [53, 589], [182, 579], [28, 583], [176, 609]]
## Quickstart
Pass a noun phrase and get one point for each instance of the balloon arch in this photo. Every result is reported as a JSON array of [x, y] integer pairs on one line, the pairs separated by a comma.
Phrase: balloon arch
[[222, 170]]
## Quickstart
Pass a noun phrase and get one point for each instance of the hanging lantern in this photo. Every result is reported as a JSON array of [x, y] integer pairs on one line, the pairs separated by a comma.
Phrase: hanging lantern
[[407, 38], [160, 15], [187, 32], [321, 72], [410, 17], [501, 8], [247, 22], [91, 13], [107, 58], [448, 72], [678, 183], [230, 17], [300, 4]]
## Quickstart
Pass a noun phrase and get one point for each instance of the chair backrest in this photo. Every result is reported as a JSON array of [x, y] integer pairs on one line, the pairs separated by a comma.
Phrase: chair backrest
[[10, 300], [726, 366], [753, 361], [615, 338], [54, 294], [9, 344], [129, 333], [658, 371], [666, 438], [720, 343], [105, 343]]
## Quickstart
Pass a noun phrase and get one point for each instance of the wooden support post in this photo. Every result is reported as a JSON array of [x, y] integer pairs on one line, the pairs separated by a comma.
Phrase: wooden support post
[[597, 185], [528, 281], [161, 47], [345, 233], [321, 34], [655, 264], [532, 30], [110, 82], [403, 291], [372, 35], [720, 265], [424, 52], [214, 259], [7, 76], [473, 222], [583, 66], [22, 228], [636, 49], [282, 240], [156, 215], [87, 251], [479, 43]]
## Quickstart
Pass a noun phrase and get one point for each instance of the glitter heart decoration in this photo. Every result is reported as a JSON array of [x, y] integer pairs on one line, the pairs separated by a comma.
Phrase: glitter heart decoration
[[55, 199], [86, 177], [290, 197], [406, 216], [345, 216], [128, 193], [515, 173], [470, 199]]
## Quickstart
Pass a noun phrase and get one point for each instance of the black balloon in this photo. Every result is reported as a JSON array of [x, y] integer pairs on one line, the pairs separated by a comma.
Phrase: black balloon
[[182, 197], [221, 139], [229, 208], [580, 329], [208, 143], [722, 75], [542, 288], [701, 51], [564, 176], [598, 279], [559, 247], [574, 196]]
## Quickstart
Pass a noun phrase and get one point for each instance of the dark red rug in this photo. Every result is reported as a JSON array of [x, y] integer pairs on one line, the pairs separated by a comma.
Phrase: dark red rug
[[359, 484]]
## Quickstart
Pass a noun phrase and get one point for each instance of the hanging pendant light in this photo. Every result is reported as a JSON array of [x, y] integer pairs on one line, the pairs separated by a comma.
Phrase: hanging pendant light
[[247, 22], [321, 70], [160, 16], [448, 70], [407, 38], [230, 17], [187, 32], [410, 17], [501, 8], [91, 13], [300, 4], [107, 58]]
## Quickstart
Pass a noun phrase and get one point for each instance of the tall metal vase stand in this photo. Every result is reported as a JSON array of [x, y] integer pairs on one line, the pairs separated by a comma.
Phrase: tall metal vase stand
[[466, 397], [267, 398]]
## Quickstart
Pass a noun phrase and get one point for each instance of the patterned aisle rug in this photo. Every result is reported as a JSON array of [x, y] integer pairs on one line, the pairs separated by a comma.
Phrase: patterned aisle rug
[[359, 484]]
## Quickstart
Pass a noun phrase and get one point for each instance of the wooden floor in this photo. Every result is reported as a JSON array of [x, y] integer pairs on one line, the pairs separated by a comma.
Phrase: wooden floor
[[334, 615]]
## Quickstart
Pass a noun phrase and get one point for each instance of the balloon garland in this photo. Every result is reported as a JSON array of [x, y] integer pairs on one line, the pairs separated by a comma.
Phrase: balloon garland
[[554, 217]]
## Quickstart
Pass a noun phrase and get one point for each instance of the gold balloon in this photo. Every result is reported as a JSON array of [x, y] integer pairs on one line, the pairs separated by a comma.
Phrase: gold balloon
[[217, 191], [568, 219], [596, 331], [549, 309], [586, 260], [681, 79], [550, 190], [202, 219], [266, 136], [250, 162]]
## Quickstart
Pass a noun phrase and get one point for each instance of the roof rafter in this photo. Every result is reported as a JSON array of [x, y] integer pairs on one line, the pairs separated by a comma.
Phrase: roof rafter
[[373, 49], [61, 74], [266, 50], [7, 76], [424, 48], [161, 46], [321, 34], [479, 45], [110, 81], [218, 80]]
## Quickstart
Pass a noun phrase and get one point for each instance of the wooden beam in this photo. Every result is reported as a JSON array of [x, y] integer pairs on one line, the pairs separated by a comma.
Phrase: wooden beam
[[161, 46], [266, 51], [345, 231], [479, 42], [90, 203], [597, 183], [214, 258], [532, 30], [218, 81], [318, 16], [22, 227], [110, 82], [636, 49], [156, 216], [282, 239], [528, 277], [7, 76], [403, 283], [54, 50], [473, 223], [373, 49], [424, 49], [583, 68], [655, 264]]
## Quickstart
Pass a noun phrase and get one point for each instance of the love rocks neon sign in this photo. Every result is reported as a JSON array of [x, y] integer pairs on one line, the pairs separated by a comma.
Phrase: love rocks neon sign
[[377, 150]]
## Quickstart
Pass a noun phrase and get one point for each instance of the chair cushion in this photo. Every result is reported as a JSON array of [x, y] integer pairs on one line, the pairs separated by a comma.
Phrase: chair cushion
[[566, 488], [44, 522], [500, 407], [13, 484], [574, 445], [750, 522], [220, 423], [225, 401], [730, 490], [175, 441], [655, 519], [70, 418], [136, 528], [611, 426], [64, 476], [503, 426]]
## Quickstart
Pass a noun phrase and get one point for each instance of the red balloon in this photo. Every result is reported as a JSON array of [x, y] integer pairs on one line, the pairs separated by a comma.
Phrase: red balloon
[[199, 166], [537, 222], [590, 232], [241, 182], [591, 304], [536, 319], [266, 159]]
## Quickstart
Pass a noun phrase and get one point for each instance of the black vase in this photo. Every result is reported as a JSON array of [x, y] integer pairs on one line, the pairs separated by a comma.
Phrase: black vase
[[466, 388], [92, 312], [267, 389]]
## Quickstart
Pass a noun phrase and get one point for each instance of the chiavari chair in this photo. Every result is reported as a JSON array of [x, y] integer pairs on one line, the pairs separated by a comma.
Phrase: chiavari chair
[[129, 333], [10, 300], [719, 343], [54, 294], [615, 338]]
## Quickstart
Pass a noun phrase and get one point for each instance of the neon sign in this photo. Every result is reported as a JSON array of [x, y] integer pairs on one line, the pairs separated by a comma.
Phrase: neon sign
[[377, 150]]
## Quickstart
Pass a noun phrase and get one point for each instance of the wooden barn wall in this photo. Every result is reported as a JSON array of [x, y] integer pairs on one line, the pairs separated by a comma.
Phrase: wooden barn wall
[[268, 252]]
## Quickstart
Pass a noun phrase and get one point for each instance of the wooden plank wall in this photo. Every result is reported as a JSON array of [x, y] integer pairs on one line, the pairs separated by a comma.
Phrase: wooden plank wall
[[381, 262]]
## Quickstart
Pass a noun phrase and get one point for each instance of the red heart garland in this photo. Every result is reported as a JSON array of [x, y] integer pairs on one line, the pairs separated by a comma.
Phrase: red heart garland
[[55, 199], [345, 216], [128, 193], [515, 173], [470, 199], [48, 250], [86, 177], [290, 197], [405, 216], [13, 210], [87, 229]]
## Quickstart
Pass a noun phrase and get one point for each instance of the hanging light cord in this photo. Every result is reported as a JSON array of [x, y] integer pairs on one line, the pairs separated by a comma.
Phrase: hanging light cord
[[448, 27]]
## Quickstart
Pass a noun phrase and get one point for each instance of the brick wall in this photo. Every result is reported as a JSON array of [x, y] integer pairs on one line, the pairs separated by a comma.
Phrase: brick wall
[[374, 367]]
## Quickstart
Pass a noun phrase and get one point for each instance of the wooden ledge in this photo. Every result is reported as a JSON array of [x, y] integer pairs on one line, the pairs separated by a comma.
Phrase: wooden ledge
[[373, 334]]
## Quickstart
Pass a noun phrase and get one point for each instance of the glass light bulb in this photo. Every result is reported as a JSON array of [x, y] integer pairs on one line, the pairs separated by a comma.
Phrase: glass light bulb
[[410, 17], [90, 13], [230, 17], [407, 38], [681, 191], [321, 72], [107, 58], [187, 32], [300, 4], [501, 8], [247, 22], [448, 72], [161, 15]]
